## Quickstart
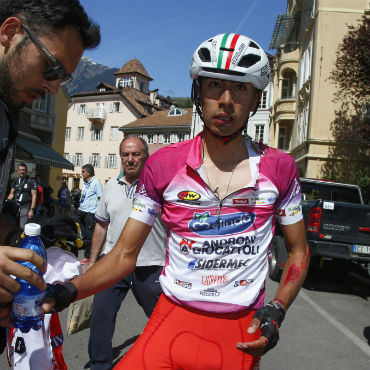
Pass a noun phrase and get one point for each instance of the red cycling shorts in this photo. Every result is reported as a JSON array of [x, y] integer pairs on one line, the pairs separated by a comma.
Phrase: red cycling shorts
[[178, 338]]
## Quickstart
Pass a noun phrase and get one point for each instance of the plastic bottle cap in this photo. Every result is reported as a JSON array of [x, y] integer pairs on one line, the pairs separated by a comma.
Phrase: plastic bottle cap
[[32, 229]]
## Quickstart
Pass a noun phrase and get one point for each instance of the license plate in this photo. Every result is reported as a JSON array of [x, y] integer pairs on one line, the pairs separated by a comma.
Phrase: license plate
[[365, 249]]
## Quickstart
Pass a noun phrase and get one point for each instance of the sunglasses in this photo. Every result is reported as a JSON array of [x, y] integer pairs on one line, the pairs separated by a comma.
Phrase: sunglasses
[[56, 70]]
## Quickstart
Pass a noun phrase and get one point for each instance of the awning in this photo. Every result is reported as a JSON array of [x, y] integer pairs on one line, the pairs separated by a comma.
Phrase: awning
[[43, 154], [286, 31]]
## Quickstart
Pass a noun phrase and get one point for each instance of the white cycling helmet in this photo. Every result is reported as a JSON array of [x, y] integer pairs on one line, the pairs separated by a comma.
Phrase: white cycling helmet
[[234, 57]]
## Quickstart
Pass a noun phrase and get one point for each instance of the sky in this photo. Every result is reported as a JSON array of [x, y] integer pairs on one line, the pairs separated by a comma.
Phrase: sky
[[163, 34]]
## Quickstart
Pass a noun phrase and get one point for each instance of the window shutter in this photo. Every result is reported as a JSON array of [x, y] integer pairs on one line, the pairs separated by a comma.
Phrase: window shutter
[[99, 157], [74, 159], [155, 139], [82, 160], [111, 107], [120, 107], [115, 161], [160, 139], [78, 109], [90, 158]]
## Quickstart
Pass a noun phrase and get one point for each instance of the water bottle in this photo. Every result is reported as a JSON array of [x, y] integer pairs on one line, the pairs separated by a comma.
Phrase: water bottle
[[27, 311]]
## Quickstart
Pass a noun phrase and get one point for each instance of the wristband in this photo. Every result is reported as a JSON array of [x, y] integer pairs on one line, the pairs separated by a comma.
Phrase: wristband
[[63, 294]]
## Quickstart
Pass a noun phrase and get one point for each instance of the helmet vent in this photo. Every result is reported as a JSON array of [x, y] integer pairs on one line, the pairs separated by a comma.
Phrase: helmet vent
[[253, 45], [249, 60], [204, 55]]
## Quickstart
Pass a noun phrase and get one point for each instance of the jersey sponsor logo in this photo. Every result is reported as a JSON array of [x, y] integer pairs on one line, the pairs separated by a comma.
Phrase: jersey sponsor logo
[[186, 245], [227, 250], [242, 282], [152, 212], [210, 292], [214, 279], [189, 197], [232, 223], [217, 264], [240, 201], [137, 209], [142, 190], [56, 341], [292, 211], [20, 347], [281, 212], [137, 203], [184, 284]]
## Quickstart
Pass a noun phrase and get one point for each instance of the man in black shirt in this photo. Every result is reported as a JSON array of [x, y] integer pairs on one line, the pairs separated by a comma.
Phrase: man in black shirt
[[24, 192], [41, 43]]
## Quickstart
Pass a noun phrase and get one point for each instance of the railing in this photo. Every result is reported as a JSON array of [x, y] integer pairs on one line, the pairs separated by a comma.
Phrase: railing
[[96, 114]]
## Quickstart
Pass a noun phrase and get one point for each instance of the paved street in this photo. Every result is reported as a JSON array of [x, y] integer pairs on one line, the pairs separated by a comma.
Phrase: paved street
[[324, 329]]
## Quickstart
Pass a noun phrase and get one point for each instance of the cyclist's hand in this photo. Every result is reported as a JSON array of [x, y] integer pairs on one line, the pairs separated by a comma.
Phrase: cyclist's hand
[[59, 296], [269, 319]]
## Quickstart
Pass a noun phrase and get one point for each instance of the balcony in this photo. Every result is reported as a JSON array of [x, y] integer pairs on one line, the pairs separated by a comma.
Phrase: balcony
[[285, 109], [96, 116]]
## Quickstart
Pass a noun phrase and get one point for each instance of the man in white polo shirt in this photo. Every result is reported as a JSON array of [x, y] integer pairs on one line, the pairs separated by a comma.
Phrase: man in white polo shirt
[[113, 210]]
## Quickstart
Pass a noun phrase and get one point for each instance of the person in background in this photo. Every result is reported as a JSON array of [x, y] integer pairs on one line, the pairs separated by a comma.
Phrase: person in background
[[90, 195], [64, 199], [41, 43], [40, 194], [111, 215], [24, 191]]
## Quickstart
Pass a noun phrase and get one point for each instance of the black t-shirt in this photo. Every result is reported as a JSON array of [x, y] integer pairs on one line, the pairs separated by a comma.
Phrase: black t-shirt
[[22, 190]]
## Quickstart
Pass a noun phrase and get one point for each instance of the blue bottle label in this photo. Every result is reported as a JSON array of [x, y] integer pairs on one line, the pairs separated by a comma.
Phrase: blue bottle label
[[28, 306]]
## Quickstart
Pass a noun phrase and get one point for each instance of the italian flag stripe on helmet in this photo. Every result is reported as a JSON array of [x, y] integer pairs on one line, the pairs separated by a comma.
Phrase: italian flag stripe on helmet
[[232, 46], [230, 52]]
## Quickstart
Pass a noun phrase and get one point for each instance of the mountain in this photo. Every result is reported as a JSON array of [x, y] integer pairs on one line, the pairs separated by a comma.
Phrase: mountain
[[88, 75]]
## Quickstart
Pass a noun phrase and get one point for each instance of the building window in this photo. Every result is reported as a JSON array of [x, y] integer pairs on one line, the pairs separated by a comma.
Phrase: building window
[[176, 112], [142, 86], [111, 161], [83, 109], [66, 156], [259, 133], [114, 133], [94, 159], [166, 138], [78, 159], [41, 104], [80, 133], [117, 107], [126, 82], [180, 137], [282, 143], [263, 101], [68, 133], [97, 134]]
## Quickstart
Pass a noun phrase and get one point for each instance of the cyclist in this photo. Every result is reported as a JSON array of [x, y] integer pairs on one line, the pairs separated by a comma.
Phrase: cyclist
[[219, 194]]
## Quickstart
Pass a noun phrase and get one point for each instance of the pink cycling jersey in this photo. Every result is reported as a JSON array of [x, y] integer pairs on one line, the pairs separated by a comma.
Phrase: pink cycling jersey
[[217, 255]]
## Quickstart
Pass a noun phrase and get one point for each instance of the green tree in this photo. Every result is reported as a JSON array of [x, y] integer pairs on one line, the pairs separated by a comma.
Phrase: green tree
[[349, 157]]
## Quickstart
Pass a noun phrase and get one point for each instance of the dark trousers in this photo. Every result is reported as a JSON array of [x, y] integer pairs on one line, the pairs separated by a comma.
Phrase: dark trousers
[[87, 223], [144, 283]]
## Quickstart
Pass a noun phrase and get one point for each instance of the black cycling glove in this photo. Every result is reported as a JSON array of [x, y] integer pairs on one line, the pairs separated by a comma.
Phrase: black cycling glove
[[271, 316], [64, 294]]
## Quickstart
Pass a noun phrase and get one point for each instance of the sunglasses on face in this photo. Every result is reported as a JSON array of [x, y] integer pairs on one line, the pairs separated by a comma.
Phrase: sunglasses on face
[[56, 70]]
